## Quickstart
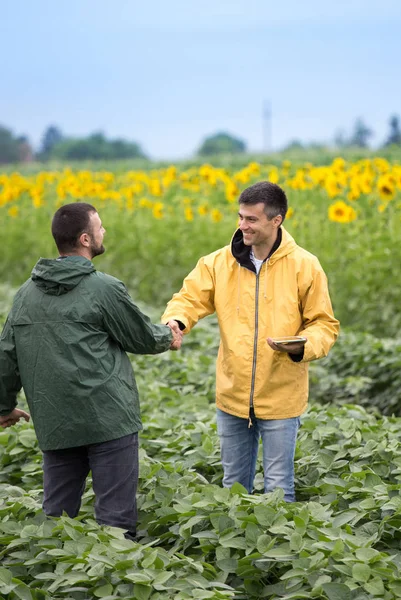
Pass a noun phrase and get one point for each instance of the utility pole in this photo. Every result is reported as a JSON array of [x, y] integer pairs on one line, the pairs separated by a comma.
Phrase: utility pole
[[267, 125]]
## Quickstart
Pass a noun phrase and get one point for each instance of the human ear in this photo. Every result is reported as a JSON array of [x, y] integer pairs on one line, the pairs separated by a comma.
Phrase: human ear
[[84, 240]]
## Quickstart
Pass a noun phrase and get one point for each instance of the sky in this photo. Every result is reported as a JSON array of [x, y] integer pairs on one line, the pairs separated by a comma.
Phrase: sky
[[169, 73]]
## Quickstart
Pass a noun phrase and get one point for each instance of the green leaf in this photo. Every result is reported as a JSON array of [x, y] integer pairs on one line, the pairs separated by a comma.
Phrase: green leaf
[[161, 579], [149, 559], [228, 564], [337, 591], [293, 573], [344, 517], [396, 588], [138, 577], [103, 590], [338, 548], [375, 587], [279, 553], [22, 591], [265, 515], [47, 576], [72, 532], [239, 489], [121, 565], [209, 535], [361, 572], [58, 552], [238, 542], [366, 554], [97, 570], [122, 545], [296, 542], [142, 592], [202, 594], [297, 595], [5, 576], [300, 525], [252, 533], [320, 581], [224, 523], [264, 543]]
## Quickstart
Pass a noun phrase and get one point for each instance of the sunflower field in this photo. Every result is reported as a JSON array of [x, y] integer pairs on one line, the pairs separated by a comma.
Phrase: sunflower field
[[160, 221], [341, 540]]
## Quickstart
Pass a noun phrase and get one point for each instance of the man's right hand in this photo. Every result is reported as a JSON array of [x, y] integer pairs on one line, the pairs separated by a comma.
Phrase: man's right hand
[[177, 335]]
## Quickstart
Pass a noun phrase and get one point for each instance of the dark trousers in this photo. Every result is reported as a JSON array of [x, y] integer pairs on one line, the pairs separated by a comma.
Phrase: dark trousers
[[114, 467]]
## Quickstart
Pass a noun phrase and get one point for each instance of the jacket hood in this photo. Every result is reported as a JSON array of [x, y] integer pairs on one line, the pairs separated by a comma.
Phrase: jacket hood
[[282, 246], [60, 275]]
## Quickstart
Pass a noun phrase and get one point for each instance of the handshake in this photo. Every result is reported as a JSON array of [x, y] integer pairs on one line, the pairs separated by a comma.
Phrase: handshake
[[177, 335]]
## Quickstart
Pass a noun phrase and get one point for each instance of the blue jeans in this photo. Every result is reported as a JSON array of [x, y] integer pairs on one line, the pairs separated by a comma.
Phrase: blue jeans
[[239, 451]]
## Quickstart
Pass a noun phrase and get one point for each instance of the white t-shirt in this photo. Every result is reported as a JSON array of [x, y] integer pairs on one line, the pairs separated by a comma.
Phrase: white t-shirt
[[258, 263]]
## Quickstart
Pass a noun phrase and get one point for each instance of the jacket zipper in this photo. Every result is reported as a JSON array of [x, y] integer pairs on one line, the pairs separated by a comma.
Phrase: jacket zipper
[[255, 345], [255, 349]]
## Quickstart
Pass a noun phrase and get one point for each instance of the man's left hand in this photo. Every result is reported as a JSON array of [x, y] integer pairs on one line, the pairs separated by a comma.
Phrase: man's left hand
[[13, 417], [294, 348]]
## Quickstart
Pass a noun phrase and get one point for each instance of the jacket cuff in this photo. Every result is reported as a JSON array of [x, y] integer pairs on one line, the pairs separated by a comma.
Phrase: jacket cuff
[[6, 410], [181, 324], [297, 357]]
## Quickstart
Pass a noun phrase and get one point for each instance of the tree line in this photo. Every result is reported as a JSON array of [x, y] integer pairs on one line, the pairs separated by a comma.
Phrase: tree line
[[56, 146]]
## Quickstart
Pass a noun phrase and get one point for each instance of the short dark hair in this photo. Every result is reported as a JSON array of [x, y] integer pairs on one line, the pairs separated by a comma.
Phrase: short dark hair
[[69, 222], [272, 196]]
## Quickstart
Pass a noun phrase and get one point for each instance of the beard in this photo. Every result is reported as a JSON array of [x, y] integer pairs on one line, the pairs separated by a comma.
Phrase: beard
[[96, 249]]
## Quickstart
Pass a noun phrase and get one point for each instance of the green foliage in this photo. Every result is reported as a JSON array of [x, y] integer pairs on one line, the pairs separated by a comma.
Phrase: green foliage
[[153, 256], [9, 147], [340, 540], [394, 137], [360, 135], [221, 143], [51, 138], [362, 369], [95, 147]]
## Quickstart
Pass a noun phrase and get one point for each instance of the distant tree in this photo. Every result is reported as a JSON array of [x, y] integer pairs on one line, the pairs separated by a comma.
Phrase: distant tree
[[317, 146], [395, 132], [294, 145], [340, 140], [221, 143], [9, 147], [51, 137], [25, 152], [361, 134], [94, 147]]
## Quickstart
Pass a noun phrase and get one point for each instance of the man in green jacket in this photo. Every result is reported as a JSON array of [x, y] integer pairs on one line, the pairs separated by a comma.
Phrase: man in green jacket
[[65, 342]]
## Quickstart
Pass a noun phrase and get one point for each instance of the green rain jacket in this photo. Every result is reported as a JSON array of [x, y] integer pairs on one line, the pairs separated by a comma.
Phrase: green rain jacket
[[65, 342]]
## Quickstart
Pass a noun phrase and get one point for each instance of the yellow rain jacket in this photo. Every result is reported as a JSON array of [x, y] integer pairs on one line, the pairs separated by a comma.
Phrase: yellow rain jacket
[[289, 297]]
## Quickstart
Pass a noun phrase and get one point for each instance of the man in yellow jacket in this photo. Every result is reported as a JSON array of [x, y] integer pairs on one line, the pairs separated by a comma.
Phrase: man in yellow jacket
[[262, 286]]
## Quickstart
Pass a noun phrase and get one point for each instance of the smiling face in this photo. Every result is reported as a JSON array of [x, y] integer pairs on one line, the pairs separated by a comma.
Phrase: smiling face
[[257, 230]]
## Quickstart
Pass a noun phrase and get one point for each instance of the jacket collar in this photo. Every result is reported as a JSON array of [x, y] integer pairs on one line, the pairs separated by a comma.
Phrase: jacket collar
[[283, 245]]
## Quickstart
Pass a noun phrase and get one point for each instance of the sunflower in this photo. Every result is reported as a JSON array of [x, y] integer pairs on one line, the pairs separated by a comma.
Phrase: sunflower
[[13, 211], [189, 215], [158, 210], [386, 188], [216, 215], [340, 212]]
